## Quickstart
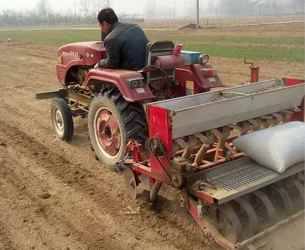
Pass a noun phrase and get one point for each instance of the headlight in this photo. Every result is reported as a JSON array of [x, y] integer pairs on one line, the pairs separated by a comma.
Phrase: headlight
[[204, 59], [136, 83]]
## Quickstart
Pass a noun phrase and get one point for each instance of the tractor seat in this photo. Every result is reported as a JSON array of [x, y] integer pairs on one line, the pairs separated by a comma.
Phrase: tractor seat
[[160, 48], [161, 60]]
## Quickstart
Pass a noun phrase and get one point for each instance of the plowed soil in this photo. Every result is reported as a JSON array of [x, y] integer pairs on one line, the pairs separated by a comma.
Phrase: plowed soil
[[55, 195]]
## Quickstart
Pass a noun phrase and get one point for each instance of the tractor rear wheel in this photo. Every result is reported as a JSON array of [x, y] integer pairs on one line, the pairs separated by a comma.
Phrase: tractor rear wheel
[[62, 119], [112, 123]]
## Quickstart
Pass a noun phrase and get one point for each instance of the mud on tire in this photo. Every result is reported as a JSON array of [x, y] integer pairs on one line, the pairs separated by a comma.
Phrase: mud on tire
[[112, 123]]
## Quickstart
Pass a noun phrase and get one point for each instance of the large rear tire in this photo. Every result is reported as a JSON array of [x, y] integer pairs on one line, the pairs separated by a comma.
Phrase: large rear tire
[[112, 123], [62, 119]]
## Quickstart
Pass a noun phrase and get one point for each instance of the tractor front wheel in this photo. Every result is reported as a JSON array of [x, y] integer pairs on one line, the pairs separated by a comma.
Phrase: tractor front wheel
[[112, 123], [62, 119]]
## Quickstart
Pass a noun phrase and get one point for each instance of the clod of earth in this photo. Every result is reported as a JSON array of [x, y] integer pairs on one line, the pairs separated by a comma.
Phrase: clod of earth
[[45, 196]]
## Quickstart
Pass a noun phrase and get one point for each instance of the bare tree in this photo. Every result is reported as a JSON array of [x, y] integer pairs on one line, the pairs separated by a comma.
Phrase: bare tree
[[150, 9], [43, 8], [84, 7]]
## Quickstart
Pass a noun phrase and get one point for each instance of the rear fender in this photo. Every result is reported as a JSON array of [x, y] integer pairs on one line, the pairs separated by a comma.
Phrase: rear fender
[[119, 79]]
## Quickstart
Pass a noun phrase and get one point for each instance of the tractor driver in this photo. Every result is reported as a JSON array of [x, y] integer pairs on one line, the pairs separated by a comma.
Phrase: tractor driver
[[125, 43]]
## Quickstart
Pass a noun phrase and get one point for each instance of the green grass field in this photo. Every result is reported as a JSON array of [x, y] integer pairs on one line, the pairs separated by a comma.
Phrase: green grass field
[[279, 48]]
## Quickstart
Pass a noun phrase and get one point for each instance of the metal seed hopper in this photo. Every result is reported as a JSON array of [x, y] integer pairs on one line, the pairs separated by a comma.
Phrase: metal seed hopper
[[231, 197]]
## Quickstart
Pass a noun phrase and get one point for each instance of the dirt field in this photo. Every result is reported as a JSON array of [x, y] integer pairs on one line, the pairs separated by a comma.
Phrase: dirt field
[[56, 196]]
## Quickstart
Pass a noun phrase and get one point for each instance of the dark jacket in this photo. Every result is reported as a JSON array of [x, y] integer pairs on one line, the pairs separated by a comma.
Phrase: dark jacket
[[126, 47]]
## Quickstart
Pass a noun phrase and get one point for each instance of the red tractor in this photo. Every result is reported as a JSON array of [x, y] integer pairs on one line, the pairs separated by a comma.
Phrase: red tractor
[[118, 97], [173, 123]]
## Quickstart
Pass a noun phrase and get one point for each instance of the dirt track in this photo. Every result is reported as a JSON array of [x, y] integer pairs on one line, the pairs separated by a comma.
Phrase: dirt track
[[56, 196]]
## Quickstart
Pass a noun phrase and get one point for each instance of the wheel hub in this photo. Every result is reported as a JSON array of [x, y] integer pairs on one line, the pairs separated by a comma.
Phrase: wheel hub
[[59, 122], [108, 132]]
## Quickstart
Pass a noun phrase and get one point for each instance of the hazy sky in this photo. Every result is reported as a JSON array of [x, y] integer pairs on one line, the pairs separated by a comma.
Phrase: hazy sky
[[130, 6], [19, 4], [65, 5], [127, 6], [179, 7]]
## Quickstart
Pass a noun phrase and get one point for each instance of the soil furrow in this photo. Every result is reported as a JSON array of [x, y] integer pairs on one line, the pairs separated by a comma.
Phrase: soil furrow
[[6, 242], [65, 171], [66, 218]]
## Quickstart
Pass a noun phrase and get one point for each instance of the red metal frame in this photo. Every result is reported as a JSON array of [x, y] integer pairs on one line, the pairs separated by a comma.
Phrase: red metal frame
[[87, 54], [78, 54], [203, 78], [292, 81], [298, 116], [160, 127], [119, 78], [157, 168], [255, 70]]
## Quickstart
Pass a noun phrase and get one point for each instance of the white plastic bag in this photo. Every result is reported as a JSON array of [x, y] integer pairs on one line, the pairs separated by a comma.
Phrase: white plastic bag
[[276, 148]]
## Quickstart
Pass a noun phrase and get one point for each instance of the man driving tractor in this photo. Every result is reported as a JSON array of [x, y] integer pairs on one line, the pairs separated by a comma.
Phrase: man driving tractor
[[125, 43]]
